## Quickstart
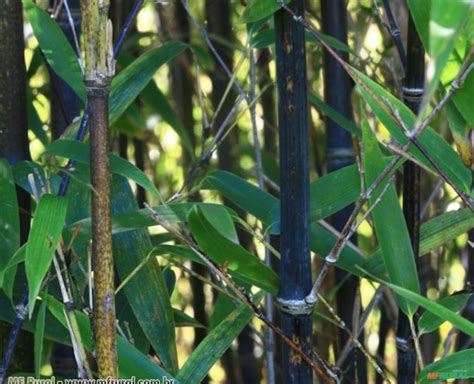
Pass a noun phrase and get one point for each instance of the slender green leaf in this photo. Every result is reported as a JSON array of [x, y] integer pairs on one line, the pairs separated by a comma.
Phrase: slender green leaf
[[433, 234], [458, 321], [444, 29], [80, 152], [390, 226], [133, 79], [9, 218], [455, 366], [181, 319], [131, 362], [215, 344], [334, 191], [247, 196], [334, 115], [39, 338], [433, 143], [259, 9], [239, 262], [428, 322], [55, 47], [43, 239]]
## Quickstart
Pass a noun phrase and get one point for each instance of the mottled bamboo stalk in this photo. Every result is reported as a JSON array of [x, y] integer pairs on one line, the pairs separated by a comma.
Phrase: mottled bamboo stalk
[[99, 69]]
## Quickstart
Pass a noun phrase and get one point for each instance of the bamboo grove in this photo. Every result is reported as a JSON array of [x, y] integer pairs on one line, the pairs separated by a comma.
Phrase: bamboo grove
[[223, 191]]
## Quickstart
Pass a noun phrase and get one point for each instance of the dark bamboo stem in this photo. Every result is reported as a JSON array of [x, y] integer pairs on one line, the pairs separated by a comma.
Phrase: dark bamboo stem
[[339, 153], [99, 69], [295, 269], [412, 92]]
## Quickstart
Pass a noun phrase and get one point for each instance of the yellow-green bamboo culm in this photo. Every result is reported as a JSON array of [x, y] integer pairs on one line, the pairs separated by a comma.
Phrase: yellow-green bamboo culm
[[98, 71]]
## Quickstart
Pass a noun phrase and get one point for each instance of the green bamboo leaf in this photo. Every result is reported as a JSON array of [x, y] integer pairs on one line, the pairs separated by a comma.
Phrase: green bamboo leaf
[[247, 196], [9, 218], [334, 191], [130, 82], [259, 9], [433, 143], [131, 362], [155, 99], [240, 263], [455, 366], [444, 30], [433, 234], [460, 132], [444, 228], [390, 226], [215, 344], [80, 152], [55, 47], [140, 218], [428, 322], [456, 320], [39, 338], [334, 115], [43, 239], [182, 319]]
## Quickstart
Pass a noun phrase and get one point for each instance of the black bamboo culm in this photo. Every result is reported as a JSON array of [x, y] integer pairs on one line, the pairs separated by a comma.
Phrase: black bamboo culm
[[412, 93], [339, 153], [19, 318], [295, 267]]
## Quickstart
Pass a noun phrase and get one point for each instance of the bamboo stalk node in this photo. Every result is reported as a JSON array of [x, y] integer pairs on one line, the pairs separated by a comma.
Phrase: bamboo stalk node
[[98, 87], [412, 95], [295, 307]]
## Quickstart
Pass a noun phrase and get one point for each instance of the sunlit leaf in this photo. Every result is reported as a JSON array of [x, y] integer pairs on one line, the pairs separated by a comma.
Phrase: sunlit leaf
[[43, 240]]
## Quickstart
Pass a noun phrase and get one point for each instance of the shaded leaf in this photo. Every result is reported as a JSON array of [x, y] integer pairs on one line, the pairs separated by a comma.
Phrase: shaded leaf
[[428, 322], [9, 217]]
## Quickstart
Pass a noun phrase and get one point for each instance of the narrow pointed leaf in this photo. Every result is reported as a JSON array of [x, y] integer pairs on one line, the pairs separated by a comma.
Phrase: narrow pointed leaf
[[80, 152], [210, 350], [390, 226], [224, 252], [455, 366], [444, 29], [39, 338], [428, 322], [130, 82], [55, 47], [43, 239], [9, 218], [432, 142]]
